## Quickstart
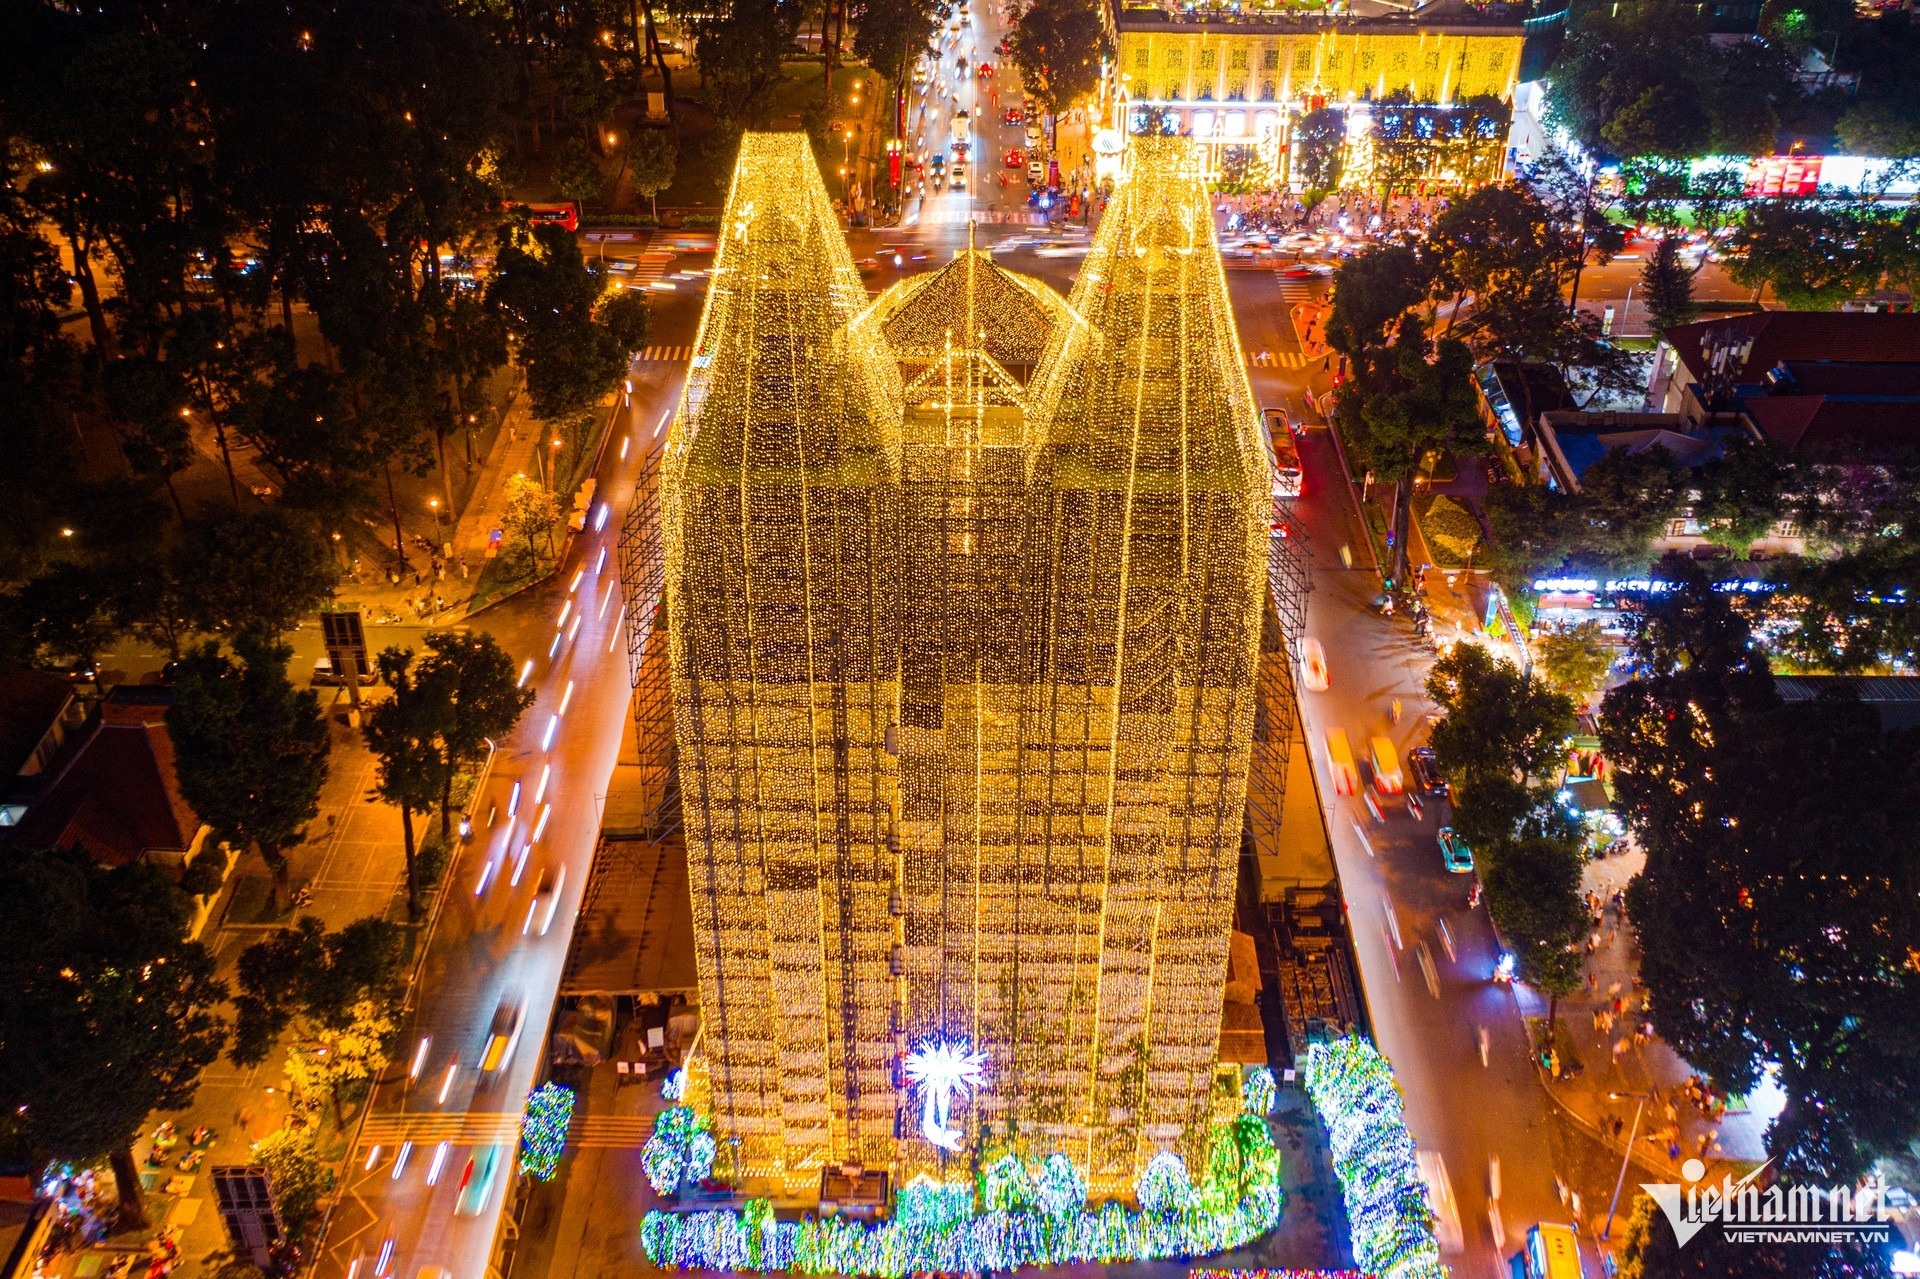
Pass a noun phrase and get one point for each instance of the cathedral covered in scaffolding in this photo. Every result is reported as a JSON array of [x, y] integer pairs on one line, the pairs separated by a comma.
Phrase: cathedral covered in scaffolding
[[964, 591]]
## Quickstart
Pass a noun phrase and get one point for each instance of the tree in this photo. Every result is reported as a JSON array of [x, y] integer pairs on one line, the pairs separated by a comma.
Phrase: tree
[[66, 612], [1814, 257], [1497, 246], [251, 749], [1666, 285], [1371, 291], [1320, 140], [406, 733], [553, 304], [1059, 46], [1414, 399], [255, 570], [1532, 887], [341, 1065], [1776, 911], [106, 1009], [1743, 492], [304, 971], [652, 155], [1496, 723], [576, 172], [738, 46], [1534, 531], [1575, 660], [484, 700], [300, 1179], [531, 512], [1626, 500]]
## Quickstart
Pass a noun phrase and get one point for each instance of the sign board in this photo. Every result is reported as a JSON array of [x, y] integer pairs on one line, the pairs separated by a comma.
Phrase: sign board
[[345, 638], [244, 1194]]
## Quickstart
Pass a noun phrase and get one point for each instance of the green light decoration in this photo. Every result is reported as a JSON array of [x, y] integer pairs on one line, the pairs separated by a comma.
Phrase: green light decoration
[[1352, 1087], [680, 1152], [543, 1130], [1025, 1215]]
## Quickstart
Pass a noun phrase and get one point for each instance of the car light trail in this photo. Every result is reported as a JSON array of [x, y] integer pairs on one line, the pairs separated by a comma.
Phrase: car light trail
[[540, 827], [615, 637], [600, 520], [440, 1153], [601, 563], [386, 1258], [519, 865], [566, 700], [419, 1057], [513, 800], [486, 877], [575, 584], [574, 629], [446, 1085], [546, 738], [555, 646], [546, 771], [400, 1160], [624, 441], [526, 669], [605, 600], [566, 610], [373, 1157]]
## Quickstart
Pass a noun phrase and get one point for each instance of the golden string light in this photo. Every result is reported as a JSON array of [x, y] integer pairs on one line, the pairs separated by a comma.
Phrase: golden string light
[[964, 592]]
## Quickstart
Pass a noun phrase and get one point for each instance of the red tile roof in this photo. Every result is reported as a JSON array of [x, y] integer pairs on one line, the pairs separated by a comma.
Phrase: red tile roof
[[1817, 424], [115, 792], [1850, 337]]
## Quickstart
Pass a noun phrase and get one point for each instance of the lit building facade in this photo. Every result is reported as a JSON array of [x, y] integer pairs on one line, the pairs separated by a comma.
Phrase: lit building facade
[[964, 590], [1243, 80]]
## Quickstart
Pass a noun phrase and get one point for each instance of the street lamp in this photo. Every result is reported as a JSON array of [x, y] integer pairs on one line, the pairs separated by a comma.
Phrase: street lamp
[[1626, 1156]]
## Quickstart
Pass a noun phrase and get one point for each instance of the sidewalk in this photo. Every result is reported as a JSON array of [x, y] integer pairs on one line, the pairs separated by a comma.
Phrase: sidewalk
[[1617, 1067]]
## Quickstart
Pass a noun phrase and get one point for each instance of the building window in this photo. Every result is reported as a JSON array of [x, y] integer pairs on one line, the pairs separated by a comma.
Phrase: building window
[[1270, 60], [1236, 124], [1237, 60], [1209, 59], [1203, 124], [1266, 124], [1677, 528], [1142, 58], [1302, 60]]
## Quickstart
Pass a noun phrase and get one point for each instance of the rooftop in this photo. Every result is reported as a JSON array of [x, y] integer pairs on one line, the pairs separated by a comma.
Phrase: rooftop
[[1758, 340], [1254, 18], [114, 792], [30, 701]]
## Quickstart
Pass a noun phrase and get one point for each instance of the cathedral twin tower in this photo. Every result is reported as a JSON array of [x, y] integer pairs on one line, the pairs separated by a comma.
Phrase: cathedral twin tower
[[964, 589]]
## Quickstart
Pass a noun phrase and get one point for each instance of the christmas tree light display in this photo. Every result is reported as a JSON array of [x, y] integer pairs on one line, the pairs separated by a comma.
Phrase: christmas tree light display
[[543, 1130], [680, 1152], [1025, 1214], [966, 588], [1352, 1087]]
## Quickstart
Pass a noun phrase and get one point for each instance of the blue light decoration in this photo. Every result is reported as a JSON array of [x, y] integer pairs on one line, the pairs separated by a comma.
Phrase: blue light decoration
[[1258, 1091], [940, 1068], [680, 1152], [1025, 1214], [1352, 1088], [674, 1087], [543, 1130]]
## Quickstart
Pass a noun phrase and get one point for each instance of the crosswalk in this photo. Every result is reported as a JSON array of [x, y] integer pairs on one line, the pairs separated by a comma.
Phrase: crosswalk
[[1296, 290], [1264, 359], [666, 355], [480, 1128], [651, 266]]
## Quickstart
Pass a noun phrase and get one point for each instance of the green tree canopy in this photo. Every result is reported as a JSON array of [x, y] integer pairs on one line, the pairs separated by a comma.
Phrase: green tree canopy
[[406, 733], [305, 971], [251, 749], [106, 1009], [1059, 45]]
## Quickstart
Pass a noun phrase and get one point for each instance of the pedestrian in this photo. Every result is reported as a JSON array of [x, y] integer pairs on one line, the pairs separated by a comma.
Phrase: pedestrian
[[1396, 710], [1618, 1124]]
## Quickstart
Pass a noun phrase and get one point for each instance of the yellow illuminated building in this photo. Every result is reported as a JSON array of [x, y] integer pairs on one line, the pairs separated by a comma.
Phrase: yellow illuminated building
[[964, 589], [1243, 82]]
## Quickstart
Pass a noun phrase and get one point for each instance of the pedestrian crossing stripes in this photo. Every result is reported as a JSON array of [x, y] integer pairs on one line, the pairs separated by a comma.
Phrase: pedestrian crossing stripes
[[470, 1128], [1296, 290], [651, 267], [666, 354], [1282, 360], [475, 1128]]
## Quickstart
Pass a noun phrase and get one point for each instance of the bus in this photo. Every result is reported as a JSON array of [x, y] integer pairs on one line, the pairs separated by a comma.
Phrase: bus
[[565, 214], [1553, 1252], [1346, 777]]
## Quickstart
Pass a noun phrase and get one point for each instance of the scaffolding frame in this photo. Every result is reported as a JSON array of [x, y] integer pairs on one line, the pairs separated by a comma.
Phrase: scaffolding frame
[[643, 577], [1289, 581]]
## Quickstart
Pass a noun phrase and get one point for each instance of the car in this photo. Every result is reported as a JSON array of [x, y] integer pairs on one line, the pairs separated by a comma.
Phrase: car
[[324, 676], [1454, 851], [1447, 1230], [1036, 172], [959, 67], [476, 1182], [1387, 778], [1033, 134], [546, 900], [1307, 271], [1426, 772], [986, 71], [958, 176], [503, 1035], [1012, 116], [1016, 159], [1313, 665]]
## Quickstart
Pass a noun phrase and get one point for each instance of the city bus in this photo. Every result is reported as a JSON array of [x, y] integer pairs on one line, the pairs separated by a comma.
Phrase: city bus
[[565, 214], [1553, 1252]]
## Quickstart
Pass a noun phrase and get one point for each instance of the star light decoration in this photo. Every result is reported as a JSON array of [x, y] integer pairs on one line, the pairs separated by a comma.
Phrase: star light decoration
[[543, 1130], [940, 1068]]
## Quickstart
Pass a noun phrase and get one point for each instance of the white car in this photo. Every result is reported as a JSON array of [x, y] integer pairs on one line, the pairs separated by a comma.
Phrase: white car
[[546, 900], [958, 176], [1313, 665]]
